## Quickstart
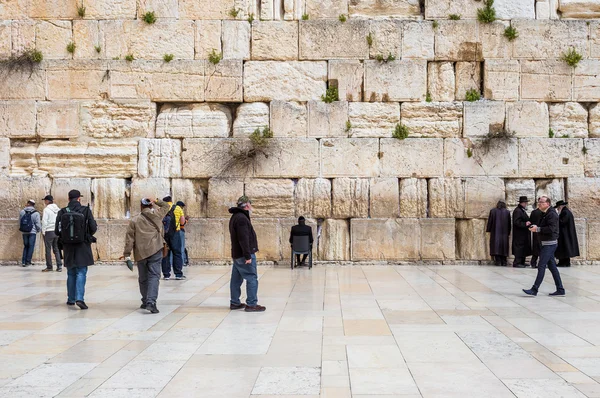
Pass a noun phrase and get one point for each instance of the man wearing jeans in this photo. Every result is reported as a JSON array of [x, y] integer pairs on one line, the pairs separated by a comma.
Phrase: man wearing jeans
[[50, 238], [29, 225], [173, 242], [243, 248], [547, 231]]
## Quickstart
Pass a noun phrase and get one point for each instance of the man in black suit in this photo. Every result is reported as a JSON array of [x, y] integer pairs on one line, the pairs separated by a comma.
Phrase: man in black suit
[[301, 230]]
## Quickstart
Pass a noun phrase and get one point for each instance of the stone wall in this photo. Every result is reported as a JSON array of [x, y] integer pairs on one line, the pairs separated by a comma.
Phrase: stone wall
[[118, 121]]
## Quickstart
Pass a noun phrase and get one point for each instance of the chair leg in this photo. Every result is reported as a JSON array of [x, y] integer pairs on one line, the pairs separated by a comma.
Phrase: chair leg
[[310, 260], [292, 260]]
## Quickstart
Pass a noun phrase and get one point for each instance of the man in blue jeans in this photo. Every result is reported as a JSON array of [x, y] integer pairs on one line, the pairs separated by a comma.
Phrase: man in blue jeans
[[173, 242], [244, 245], [29, 225], [547, 231]]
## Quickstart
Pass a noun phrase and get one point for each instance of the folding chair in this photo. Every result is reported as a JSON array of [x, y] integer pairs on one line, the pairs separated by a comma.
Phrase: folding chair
[[301, 245]]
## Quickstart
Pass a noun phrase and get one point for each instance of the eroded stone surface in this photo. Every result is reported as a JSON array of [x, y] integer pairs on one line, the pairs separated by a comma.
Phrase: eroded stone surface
[[223, 194], [441, 82], [501, 80], [313, 197], [438, 239], [376, 119], [275, 40], [481, 194], [331, 39], [110, 197], [583, 197], [446, 197], [289, 119], [412, 157], [553, 189], [433, 119], [394, 8], [271, 197], [517, 187], [562, 157], [118, 119], [402, 80], [250, 117], [386, 239], [413, 197], [483, 117], [546, 80], [384, 197], [334, 243], [569, 118], [194, 120], [350, 197], [471, 240], [527, 119], [159, 158], [347, 76], [350, 157], [327, 120]]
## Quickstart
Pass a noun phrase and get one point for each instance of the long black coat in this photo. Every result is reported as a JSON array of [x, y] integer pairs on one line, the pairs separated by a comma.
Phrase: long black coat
[[78, 254], [521, 240], [536, 244], [499, 227], [568, 246]]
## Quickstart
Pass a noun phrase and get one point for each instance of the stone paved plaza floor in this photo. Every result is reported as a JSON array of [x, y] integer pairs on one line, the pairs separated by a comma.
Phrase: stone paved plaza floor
[[333, 331]]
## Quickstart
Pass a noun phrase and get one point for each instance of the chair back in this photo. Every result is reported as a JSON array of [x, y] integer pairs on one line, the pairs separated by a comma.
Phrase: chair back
[[301, 244]]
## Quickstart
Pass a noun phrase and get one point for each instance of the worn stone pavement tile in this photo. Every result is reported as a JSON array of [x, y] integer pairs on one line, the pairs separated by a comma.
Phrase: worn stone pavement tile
[[366, 327]]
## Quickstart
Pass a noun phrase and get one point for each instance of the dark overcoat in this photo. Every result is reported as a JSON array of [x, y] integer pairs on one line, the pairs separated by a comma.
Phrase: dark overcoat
[[78, 254], [535, 217], [498, 226], [521, 240], [568, 246]]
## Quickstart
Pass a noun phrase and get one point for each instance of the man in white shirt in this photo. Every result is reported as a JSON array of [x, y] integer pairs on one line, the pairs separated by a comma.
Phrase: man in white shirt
[[50, 238]]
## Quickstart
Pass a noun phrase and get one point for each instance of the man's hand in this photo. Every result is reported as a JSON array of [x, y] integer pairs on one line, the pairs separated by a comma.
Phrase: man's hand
[[528, 223], [122, 258], [248, 261], [533, 228]]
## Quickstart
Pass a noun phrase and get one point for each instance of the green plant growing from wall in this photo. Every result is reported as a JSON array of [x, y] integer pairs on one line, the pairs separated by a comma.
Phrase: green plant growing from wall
[[27, 61], [98, 49], [487, 14], [71, 47], [149, 17], [259, 138], [400, 132], [584, 150], [81, 11], [495, 138], [342, 18], [234, 12], [348, 126], [435, 24], [511, 33], [428, 97], [330, 95], [454, 17], [370, 39], [571, 57], [550, 133], [168, 57], [390, 57], [469, 153], [129, 57], [472, 95], [250, 17], [305, 17], [214, 57]]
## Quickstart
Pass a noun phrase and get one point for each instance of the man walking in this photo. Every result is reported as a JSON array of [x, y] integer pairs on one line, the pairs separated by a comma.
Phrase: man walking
[[498, 226], [145, 238], [534, 218], [75, 226], [548, 233], [29, 225], [521, 240], [50, 238], [244, 245], [172, 229], [301, 230], [568, 245]]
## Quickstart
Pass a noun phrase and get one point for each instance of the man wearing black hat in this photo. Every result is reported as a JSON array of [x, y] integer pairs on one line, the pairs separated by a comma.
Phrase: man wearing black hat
[[301, 230], [568, 246], [50, 238], [521, 241], [75, 226]]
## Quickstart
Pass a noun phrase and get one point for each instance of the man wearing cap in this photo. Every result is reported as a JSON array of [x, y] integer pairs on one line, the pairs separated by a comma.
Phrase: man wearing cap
[[174, 243], [29, 225], [50, 238], [183, 223], [243, 248], [145, 238], [568, 245], [77, 256], [521, 240]]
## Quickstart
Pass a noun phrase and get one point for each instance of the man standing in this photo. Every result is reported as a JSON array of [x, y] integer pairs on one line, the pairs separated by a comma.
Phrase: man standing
[[521, 241], [29, 225], [183, 223], [75, 226], [534, 218], [172, 228], [301, 230], [548, 234], [498, 226], [243, 248], [568, 246], [50, 238], [145, 238]]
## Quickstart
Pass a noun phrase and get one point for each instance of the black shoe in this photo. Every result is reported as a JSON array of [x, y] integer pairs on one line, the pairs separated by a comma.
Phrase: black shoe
[[518, 265], [237, 306], [152, 308], [255, 308], [47, 270], [530, 292], [562, 265], [143, 306], [81, 305], [558, 293], [70, 303], [534, 266], [59, 269]]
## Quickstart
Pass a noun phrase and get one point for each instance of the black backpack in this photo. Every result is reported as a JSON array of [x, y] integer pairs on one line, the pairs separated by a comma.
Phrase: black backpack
[[26, 223], [170, 223], [73, 227]]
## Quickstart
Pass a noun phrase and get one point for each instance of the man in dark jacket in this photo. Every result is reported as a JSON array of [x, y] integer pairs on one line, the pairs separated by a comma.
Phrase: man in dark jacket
[[301, 230], [548, 233], [568, 246], [77, 256], [521, 240], [498, 226], [534, 218], [243, 248]]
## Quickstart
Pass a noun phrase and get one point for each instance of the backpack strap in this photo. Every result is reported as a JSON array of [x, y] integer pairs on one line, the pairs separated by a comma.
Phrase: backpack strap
[[151, 222]]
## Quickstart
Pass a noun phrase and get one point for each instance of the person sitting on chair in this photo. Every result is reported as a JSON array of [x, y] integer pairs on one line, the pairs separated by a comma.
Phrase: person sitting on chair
[[302, 230]]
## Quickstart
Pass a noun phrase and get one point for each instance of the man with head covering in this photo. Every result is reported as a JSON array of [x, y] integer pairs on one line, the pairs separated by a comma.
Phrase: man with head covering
[[498, 226], [534, 218], [182, 225], [521, 239], [568, 245], [172, 229], [29, 225], [301, 230]]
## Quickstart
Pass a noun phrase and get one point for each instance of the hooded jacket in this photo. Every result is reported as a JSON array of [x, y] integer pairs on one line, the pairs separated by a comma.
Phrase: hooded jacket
[[49, 218], [243, 237], [35, 217]]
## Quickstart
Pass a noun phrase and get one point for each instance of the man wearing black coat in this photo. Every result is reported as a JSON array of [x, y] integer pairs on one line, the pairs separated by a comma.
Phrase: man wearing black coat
[[568, 246], [534, 218], [521, 240], [498, 226], [301, 230]]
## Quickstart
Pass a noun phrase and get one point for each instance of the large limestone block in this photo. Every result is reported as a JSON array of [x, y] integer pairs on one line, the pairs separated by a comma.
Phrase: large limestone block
[[47, 9], [93, 159], [481, 194], [86, 35], [223, 194], [441, 81], [501, 79], [402, 80], [387, 38], [350, 197], [236, 40], [541, 39], [581, 230], [17, 119], [193, 120], [527, 118], [586, 79], [224, 81], [288, 81], [192, 193], [569, 118], [594, 121], [543, 157], [313, 197], [271, 197], [350, 157], [579, 9], [483, 117], [58, 119], [110, 9], [250, 117], [413, 197], [592, 157], [298, 158], [583, 196], [446, 197], [384, 198], [208, 239], [321, 9], [61, 187], [111, 236], [275, 40], [441, 9], [5, 39], [22, 85], [208, 38], [412, 157], [15, 192], [517, 187], [11, 246], [110, 195], [163, 8], [373, 119], [159, 158], [334, 241], [268, 234], [148, 188], [493, 42], [22, 159], [593, 238], [386, 239], [327, 120], [206, 9], [471, 240], [53, 37], [348, 77], [289, 119], [438, 238], [79, 79], [433, 119], [457, 41], [392, 8], [548, 80], [501, 159], [4, 156], [118, 118], [23, 35], [418, 40], [331, 39], [468, 77], [594, 39], [514, 9], [553, 189]]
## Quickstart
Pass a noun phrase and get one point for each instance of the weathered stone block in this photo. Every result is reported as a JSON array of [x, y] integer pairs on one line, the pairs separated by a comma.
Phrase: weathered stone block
[[403, 80], [208, 38], [350, 197], [542, 10], [517, 187], [271, 197], [18, 85], [109, 197], [223, 194], [527, 118], [441, 9], [348, 77], [592, 157], [586, 79], [290, 159], [9, 250], [86, 35], [387, 38], [384, 198], [559, 157], [514, 9], [501, 80], [413, 197], [4, 156], [330, 39], [350, 157], [58, 119], [275, 40], [583, 197], [159, 158], [471, 240], [148, 188], [236, 40], [386, 239], [250, 117], [319, 9], [418, 40], [446, 197], [334, 242], [581, 230], [594, 121], [593, 239], [433, 119], [268, 234], [468, 77], [193, 120], [498, 158], [438, 238], [313, 197], [579, 9], [208, 246], [373, 119], [77, 80], [548, 80], [23, 35], [289, 119], [206, 9], [412, 157], [61, 187], [553, 189], [111, 9], [224, 81], [288, 81], [47, 9], [483, 117], [493, 42], [541, 39], [17, 119], [53, 37], [110, 235], [5, 39], [22, 159], [118, 119], [393, 8], [481, 194], [327, 120], [441, 81], [16, 192], [163, 8], [192, 193], [569, 118], [457, 41]]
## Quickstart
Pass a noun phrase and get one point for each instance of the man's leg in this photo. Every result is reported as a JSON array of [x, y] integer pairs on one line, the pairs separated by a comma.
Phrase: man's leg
[[304, 258], [32, 238], [184, 258], [48, 237], [142, 266], [555, 274], [56, 251], [250, 274], [25, 248], [546, 254], [80, 283], [177, 256], [153, 274], [71, 276], [534, 260], [235, 283], [166, 262]]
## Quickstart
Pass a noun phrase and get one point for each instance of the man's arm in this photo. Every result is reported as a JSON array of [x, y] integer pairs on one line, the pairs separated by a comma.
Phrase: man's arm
[[243, 236], [57, 223], [37, 221], [163, 208], [129, 239], [92, 225], [310, 239]]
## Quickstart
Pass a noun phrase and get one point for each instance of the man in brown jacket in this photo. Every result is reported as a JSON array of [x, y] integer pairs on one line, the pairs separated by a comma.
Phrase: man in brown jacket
[[145, 239]]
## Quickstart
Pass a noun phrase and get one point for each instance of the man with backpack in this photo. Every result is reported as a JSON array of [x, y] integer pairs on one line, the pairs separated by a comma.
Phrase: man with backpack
[[172, 229], [29, 225], [75, 226]]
